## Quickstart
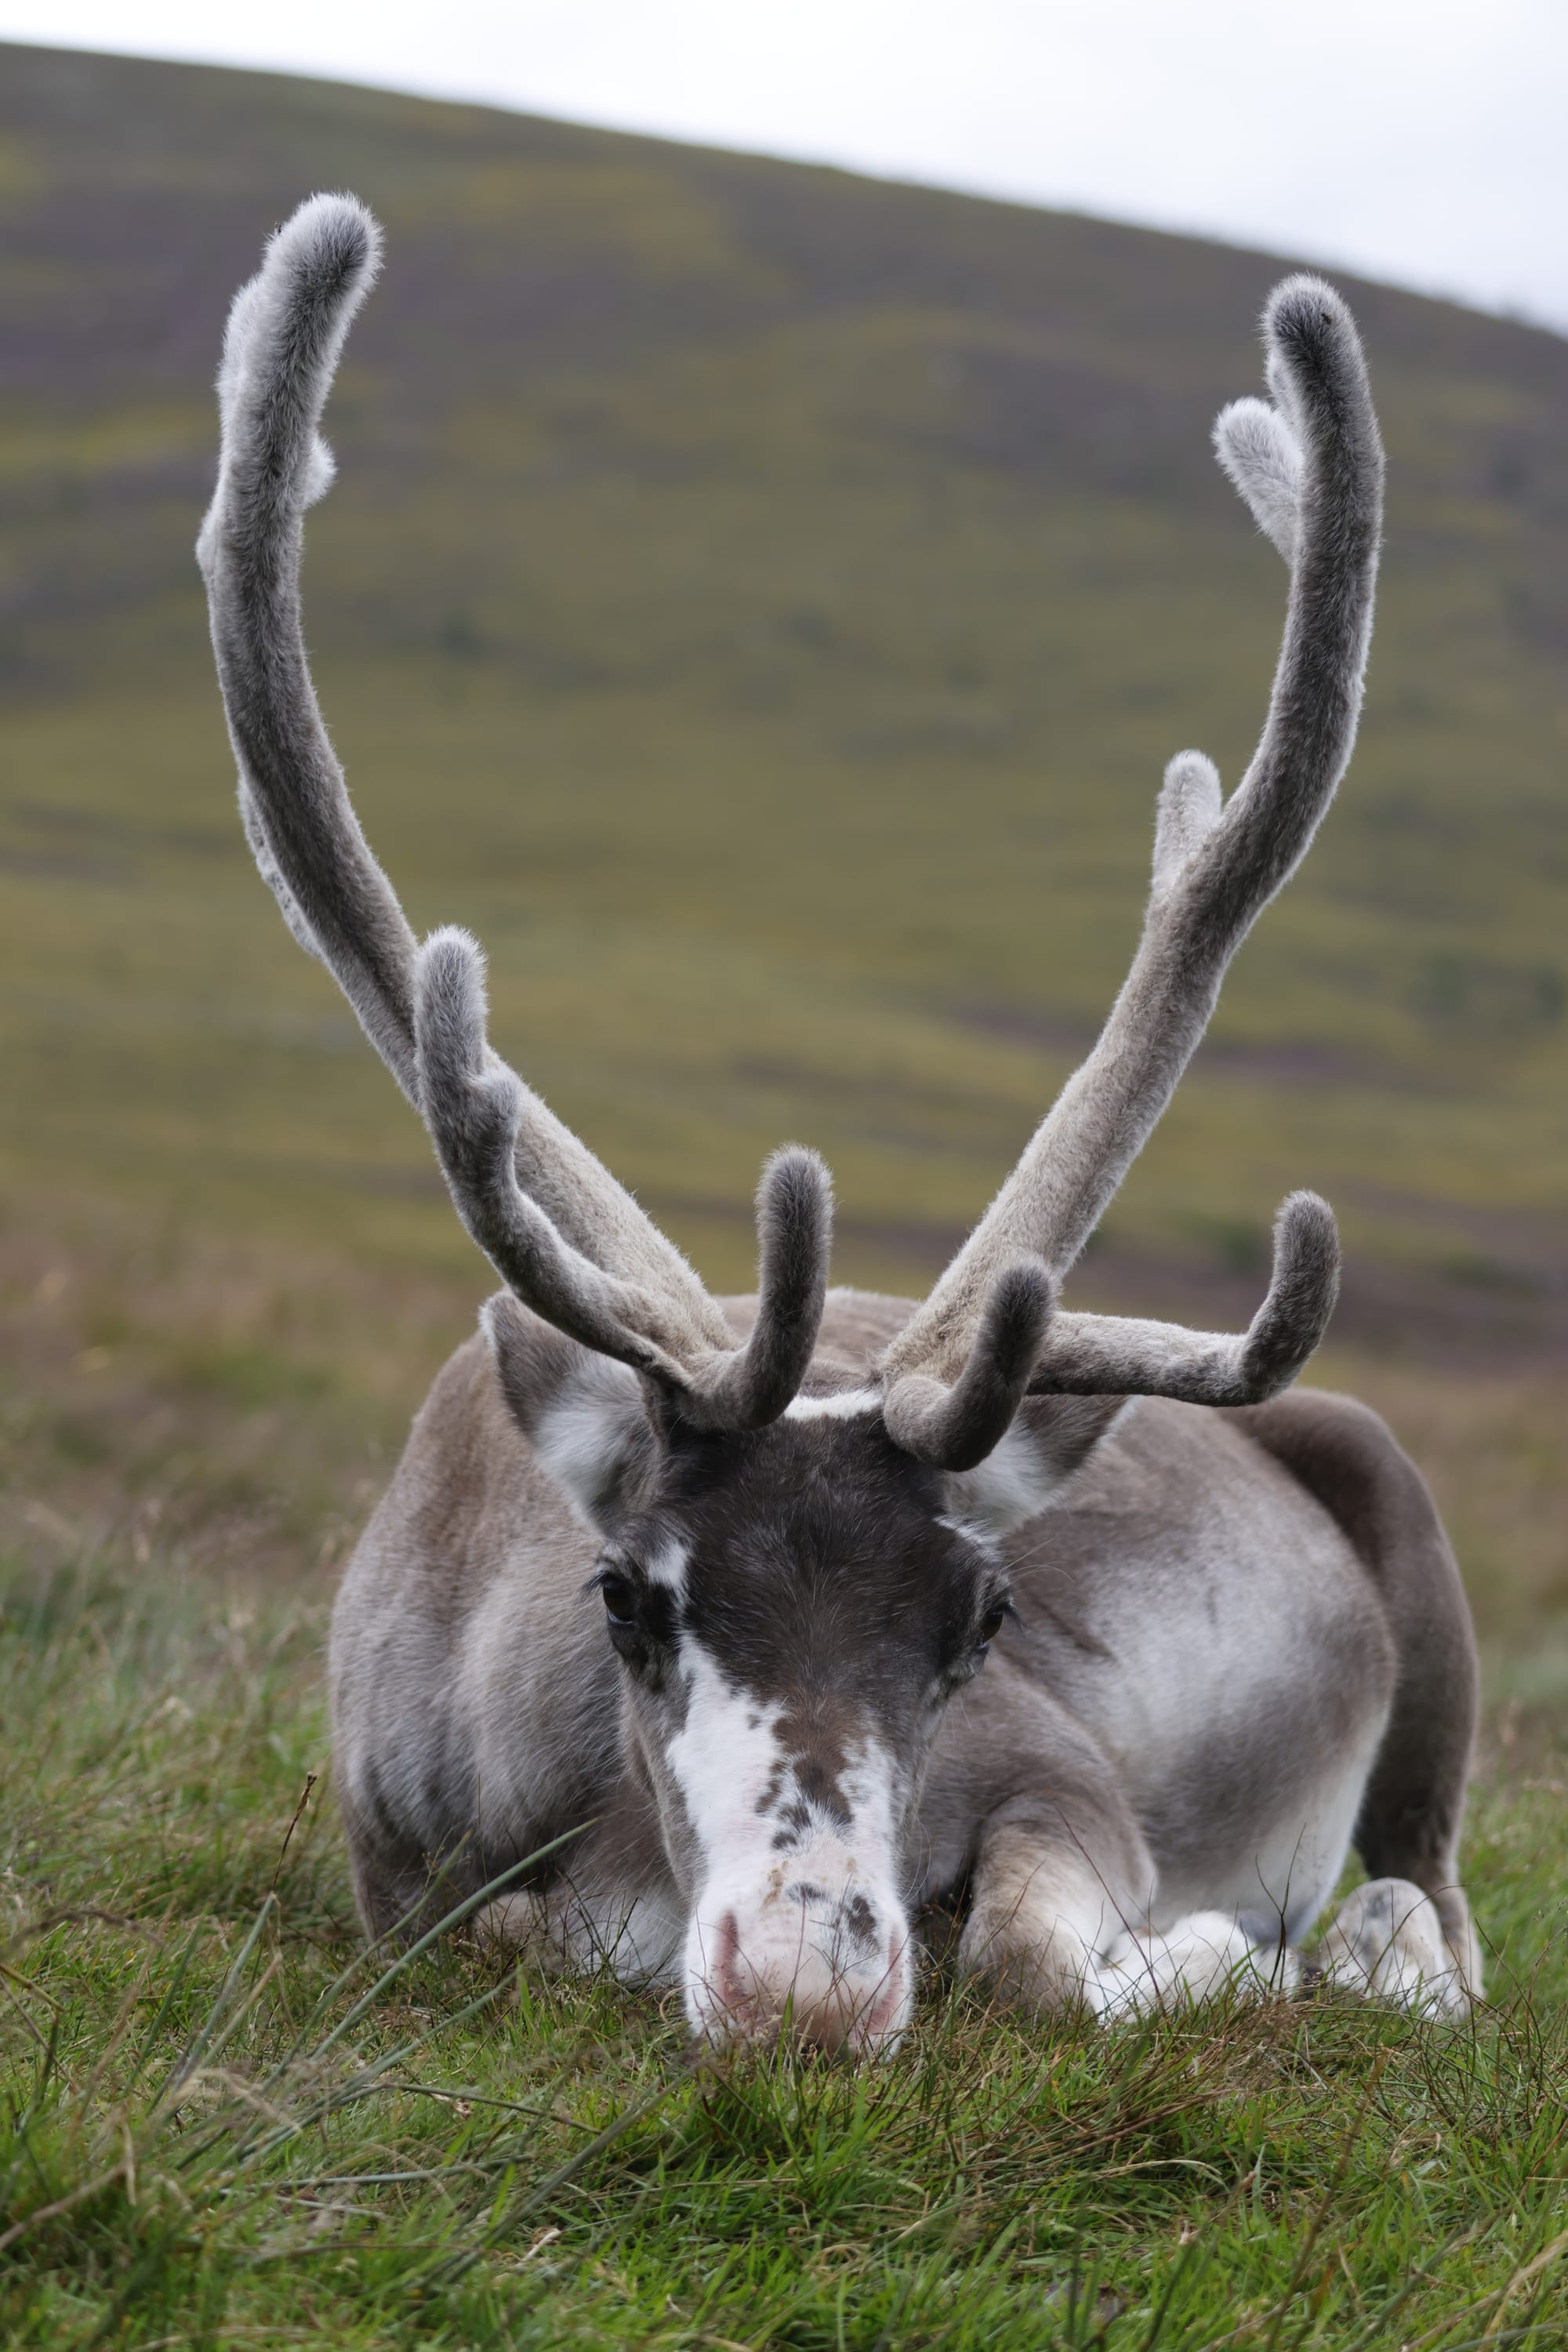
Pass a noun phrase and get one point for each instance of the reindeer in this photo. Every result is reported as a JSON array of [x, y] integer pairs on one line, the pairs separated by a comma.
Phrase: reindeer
[[712, 1581]]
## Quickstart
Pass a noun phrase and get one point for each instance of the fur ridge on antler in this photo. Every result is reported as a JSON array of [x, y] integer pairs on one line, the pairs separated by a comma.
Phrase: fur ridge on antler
[[572, 1244], [1311, 468]]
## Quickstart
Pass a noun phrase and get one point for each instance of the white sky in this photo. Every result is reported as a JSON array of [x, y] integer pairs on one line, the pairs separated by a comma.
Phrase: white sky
[[1420, 141]]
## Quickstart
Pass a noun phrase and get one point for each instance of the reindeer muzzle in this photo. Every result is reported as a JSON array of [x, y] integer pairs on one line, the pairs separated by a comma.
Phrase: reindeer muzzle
[[827, 1967]]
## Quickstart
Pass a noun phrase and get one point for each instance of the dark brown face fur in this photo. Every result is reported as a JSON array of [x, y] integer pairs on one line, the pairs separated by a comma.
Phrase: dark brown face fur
[[818, 1571]]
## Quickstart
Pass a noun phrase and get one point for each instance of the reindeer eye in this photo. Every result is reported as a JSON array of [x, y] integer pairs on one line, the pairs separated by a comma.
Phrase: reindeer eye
[[991, 1625], [620, 1602]]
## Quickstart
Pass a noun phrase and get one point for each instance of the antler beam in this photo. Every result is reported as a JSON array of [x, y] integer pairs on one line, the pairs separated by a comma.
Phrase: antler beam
[[1311, 467], [553, 1222]]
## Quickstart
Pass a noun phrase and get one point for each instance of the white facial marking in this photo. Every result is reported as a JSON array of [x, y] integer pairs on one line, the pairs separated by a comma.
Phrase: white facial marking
[[724, 1756], [971, 1531], [666, 1565], [846, 1406], [1010, 1486], [795, 1904]]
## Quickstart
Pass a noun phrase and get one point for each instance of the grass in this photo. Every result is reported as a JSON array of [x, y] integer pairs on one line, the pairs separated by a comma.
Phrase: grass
[[222, 2122], [761, 604]]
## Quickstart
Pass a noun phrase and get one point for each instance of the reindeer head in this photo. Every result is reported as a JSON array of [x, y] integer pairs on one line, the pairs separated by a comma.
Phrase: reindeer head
[[801, 1557]]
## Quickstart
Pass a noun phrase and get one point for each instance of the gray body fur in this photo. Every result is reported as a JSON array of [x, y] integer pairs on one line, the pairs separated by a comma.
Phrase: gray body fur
[[719, 1576]]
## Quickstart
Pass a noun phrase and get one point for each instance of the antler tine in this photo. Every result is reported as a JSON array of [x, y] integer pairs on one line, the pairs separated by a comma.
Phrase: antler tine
[[1026, 1347], [1311, 470], [795, 1231], [474, 1104], [1115, 1355], [572, 1242], [955, 1428]]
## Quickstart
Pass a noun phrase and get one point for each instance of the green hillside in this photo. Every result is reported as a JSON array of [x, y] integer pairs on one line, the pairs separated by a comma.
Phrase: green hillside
[[761, 602]]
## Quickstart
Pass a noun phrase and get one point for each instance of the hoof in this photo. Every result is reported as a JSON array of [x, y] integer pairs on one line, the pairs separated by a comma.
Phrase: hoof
[[1387, 1943]]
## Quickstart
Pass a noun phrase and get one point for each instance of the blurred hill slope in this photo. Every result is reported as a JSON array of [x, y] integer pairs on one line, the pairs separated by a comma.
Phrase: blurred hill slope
[[761, 602]]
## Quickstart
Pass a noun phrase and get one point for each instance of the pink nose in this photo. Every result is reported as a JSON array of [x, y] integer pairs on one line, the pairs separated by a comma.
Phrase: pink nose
[[821, 2006]]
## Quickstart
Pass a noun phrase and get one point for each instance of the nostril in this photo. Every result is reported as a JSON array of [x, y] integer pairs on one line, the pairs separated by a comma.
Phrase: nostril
[[824, 1970], [861, 1927], [845, 1928]]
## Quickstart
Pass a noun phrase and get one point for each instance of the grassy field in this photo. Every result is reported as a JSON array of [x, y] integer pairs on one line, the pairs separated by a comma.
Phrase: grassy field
[[224, 2123], [761, 604]]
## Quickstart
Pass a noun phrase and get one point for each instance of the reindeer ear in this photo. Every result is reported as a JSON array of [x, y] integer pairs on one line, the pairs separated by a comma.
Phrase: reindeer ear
[[1050, 1438], [582, 1414]]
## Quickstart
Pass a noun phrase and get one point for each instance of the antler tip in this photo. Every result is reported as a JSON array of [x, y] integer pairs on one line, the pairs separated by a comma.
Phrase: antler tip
[[1302, 1294], [1307, 1255], [794, 1213], [794, 1209], [285, 333], [1305, 1221], [1258, 451], [1022, 1301], [449, 1012], [449, 949], [329, 237], [1312, 348], [1188, 809], [795, 1168], [1302, 308]]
